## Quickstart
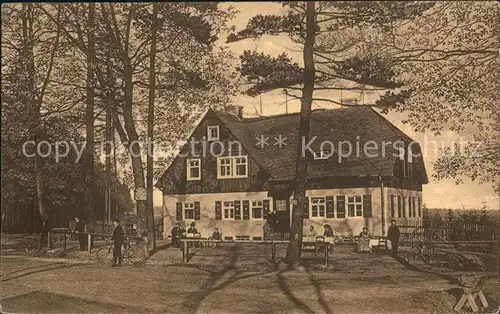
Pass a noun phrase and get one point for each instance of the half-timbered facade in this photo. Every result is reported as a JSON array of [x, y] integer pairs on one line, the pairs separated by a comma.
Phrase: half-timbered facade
[[236, 174]]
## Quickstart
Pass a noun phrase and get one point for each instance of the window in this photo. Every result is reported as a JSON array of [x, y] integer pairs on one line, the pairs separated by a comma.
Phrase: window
[[324, 154], [240, 166], [224, 167], [257, 210], [228, 210], [213, 132], [318, 207], [188, 209], [280, 205], [408, 162], [232, 167], [355, 206], [193, 169]]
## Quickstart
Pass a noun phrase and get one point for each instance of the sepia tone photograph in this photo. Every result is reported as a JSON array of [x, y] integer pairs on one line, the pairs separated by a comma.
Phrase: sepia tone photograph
[[250, 157]]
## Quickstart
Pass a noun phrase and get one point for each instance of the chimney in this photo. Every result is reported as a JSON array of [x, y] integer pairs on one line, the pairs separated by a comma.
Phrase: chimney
[[235, 110]]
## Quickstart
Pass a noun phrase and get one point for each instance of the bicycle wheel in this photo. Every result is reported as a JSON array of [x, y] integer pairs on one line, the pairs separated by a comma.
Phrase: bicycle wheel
[[427, 253], [104, 254], [412, 253], [129, 252], [140, 253]]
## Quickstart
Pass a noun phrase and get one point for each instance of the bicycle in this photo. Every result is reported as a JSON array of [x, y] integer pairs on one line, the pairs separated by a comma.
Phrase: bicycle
[[135, 256], [423, 250]]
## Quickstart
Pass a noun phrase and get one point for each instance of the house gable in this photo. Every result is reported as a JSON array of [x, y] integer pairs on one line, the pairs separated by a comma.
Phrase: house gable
[[175, 180]]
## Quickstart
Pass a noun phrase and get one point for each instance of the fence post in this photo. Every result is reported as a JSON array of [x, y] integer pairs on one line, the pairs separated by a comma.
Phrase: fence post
[[49, 240], [64, 242], [184, 251], [326, 254], [273, 253], [146, 246], [89, 243]]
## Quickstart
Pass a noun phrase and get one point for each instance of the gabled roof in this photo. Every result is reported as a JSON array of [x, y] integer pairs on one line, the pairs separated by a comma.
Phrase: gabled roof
[[351, 124]]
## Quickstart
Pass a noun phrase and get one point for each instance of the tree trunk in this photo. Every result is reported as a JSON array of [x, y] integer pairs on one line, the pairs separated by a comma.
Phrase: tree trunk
[[134, 146], [89, 149], [109, 138], [294, 249], [151, 102], [31, 103]]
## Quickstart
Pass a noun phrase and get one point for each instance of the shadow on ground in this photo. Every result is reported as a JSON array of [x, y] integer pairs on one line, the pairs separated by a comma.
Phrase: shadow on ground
[[46, 302]]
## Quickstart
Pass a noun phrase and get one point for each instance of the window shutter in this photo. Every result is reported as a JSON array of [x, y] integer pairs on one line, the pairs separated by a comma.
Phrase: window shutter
[[178, 211], [305, 212], [246, 210], [409, 206], [265, 208], [392, 206], [400, 207], [218, 210], [419, 207], [197, 211], [237, 210], [330, 212], [414, 206], [340, 206], [404, 206], [367, 206]]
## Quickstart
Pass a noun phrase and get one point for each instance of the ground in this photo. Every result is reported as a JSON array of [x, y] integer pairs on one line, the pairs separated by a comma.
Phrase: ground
[[237, 279]]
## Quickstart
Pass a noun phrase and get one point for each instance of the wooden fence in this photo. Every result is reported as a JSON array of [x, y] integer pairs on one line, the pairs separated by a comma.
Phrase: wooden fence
[[464, 237]]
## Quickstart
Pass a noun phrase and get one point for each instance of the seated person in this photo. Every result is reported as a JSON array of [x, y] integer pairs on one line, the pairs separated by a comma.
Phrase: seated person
[[363, 244], [312, 232], [216, 235], [310, 236], [192, 228], [328, 235]]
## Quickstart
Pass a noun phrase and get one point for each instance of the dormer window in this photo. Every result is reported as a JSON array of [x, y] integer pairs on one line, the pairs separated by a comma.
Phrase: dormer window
[[406, 157], [213, 132], [193, 169], [232, 167], [409, 172], [324, 154]]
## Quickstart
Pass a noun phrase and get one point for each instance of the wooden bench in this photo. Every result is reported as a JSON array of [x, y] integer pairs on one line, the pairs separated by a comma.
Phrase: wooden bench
[[471, 291]]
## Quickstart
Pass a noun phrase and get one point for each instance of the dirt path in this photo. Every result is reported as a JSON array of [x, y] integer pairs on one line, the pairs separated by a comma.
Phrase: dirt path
[[355, 285]]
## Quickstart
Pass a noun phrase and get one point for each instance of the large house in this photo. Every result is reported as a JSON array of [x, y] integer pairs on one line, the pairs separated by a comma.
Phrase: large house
[[235, 173]]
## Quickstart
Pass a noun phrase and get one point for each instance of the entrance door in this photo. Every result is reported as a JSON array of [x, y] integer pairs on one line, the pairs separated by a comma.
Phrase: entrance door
[[281, 216]]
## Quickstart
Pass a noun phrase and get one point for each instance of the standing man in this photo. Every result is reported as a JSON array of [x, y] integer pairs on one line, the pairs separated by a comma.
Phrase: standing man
[[44, 236], [176, 235], [118, 240], [393, 236], [80, 231]]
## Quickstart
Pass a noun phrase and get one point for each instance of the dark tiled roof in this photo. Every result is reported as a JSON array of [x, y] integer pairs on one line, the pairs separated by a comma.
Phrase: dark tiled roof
[[352, 124]]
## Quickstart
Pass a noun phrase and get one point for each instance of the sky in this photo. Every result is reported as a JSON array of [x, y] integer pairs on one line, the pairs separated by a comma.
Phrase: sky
[[436, 194]]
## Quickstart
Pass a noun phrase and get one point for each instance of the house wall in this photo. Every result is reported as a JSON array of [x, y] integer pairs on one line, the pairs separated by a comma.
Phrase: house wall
[[378, 224], [207, 223], [349, 225], [403, 220]]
